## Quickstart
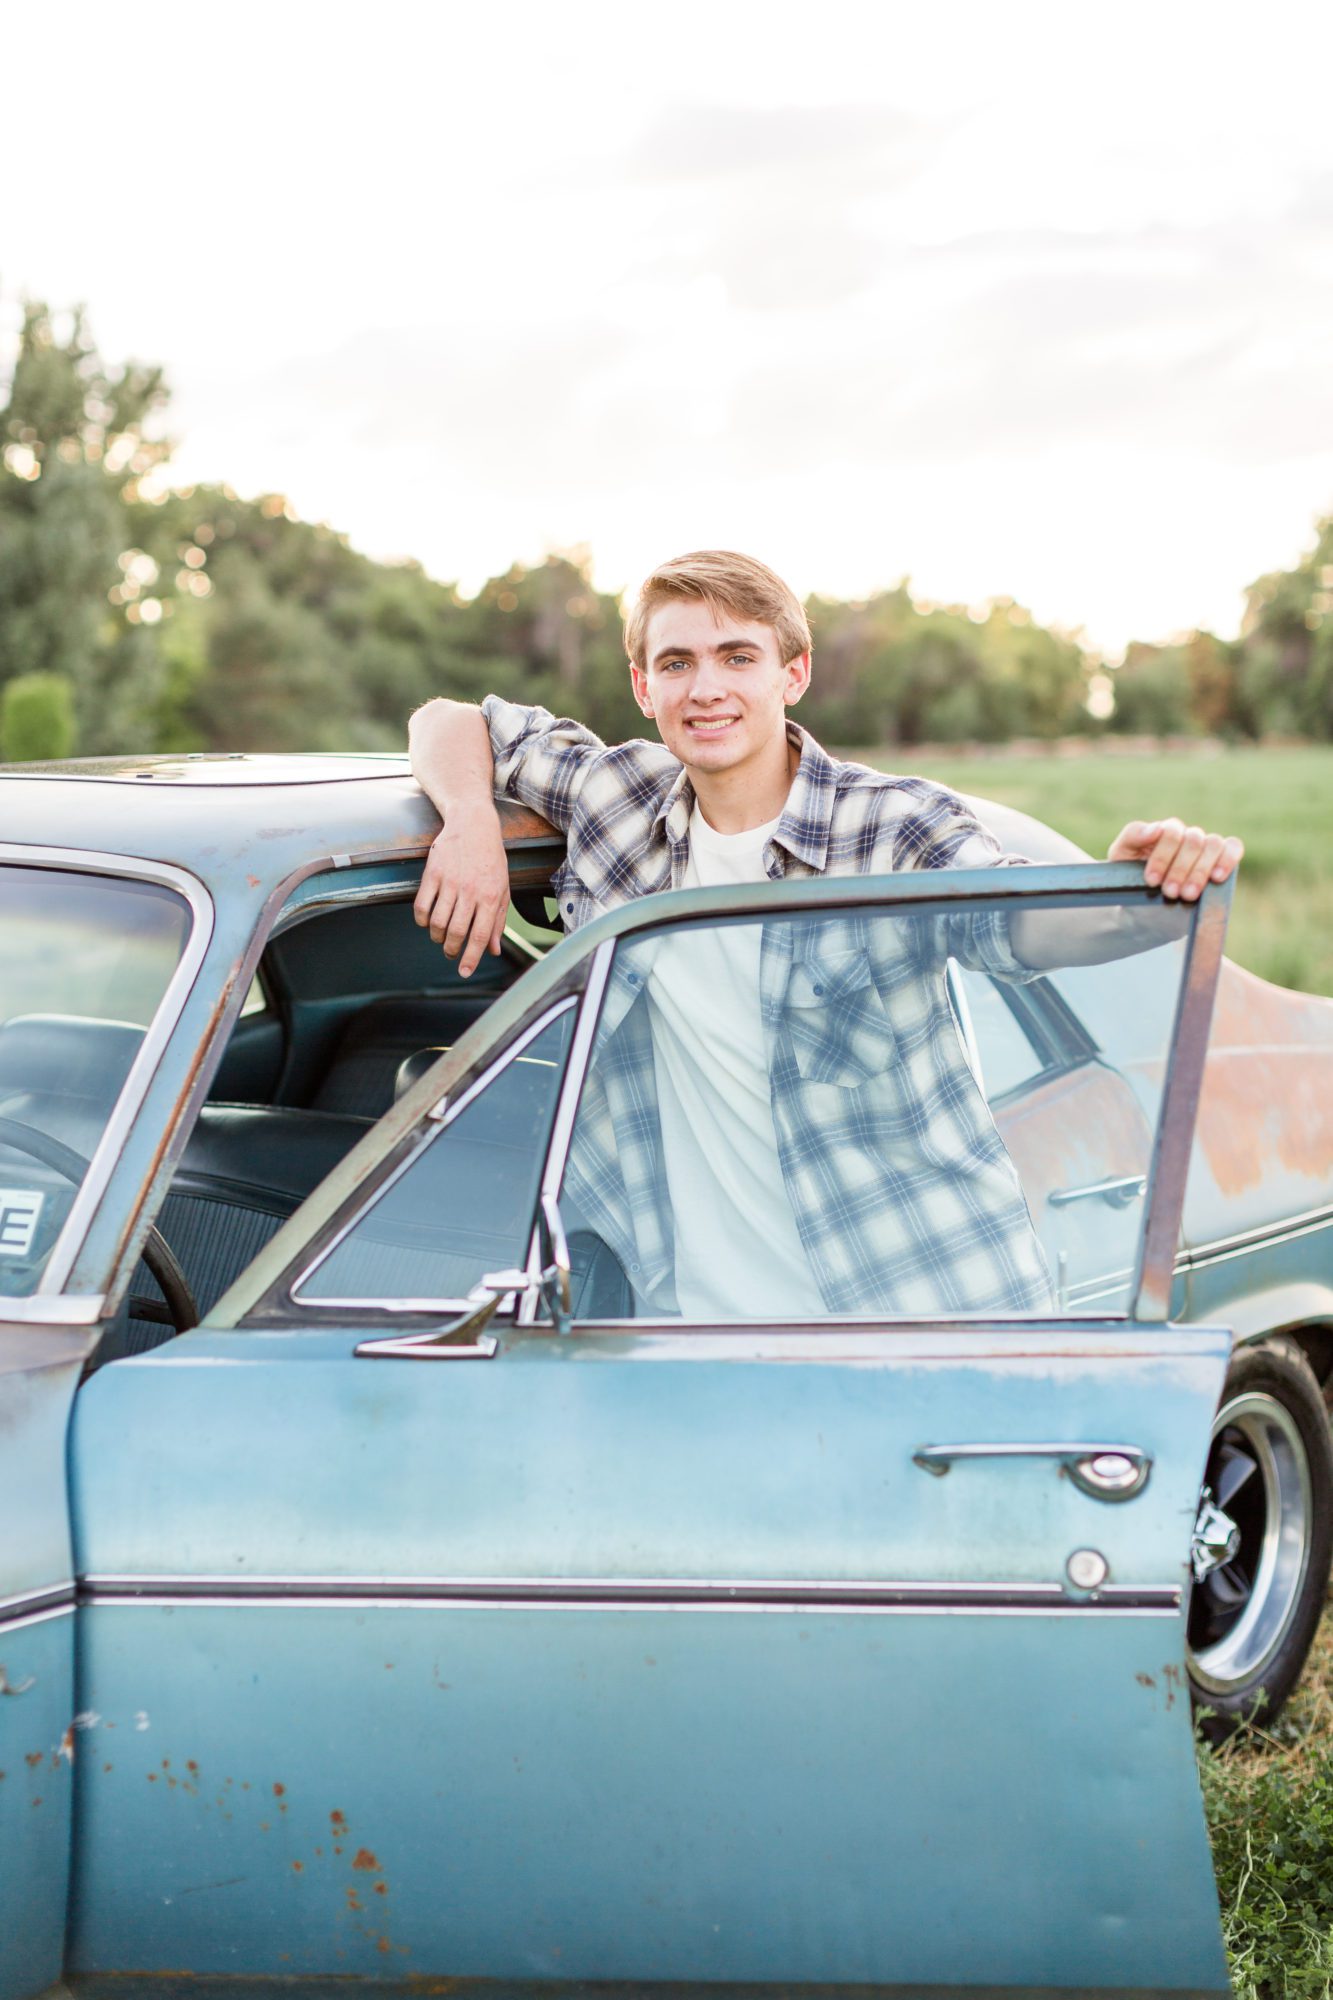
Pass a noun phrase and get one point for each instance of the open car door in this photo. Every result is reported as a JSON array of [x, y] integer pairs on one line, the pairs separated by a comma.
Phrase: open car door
[[478, 1614]]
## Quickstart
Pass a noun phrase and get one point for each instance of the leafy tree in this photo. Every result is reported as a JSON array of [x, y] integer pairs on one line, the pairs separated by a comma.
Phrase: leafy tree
[[75, 439], [36, 718]]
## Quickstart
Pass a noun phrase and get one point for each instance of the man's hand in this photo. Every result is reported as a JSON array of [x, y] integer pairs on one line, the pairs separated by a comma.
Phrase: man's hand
[[1183, 859], [464, 895]]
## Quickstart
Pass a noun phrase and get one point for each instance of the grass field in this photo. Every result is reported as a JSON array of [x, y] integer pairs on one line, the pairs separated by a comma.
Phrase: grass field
[[1279, 800]]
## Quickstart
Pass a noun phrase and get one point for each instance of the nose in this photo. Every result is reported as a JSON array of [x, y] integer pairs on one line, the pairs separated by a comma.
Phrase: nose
[[709, 682]]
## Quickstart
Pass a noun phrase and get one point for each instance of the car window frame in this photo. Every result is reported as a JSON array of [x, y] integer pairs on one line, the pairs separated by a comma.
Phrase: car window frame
[[262, 1296]]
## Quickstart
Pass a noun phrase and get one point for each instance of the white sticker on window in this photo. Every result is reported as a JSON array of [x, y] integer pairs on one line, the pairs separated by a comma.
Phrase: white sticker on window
[[20, 1209]]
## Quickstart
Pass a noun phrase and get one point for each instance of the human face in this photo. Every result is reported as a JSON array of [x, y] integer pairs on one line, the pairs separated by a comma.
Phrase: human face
[[715, 685]]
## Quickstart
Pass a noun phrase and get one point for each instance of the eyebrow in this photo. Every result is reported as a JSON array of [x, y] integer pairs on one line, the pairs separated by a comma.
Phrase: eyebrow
[[688, 652]]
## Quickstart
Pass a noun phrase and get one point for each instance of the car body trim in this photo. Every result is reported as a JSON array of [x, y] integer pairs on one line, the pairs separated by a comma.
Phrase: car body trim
[[43, 1309], [157, 1034], [668, 1593], [1220, 1248], [30, 1605]]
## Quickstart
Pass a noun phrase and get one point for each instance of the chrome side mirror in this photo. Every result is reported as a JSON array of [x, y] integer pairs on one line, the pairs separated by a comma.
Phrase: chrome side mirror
[[464, 1338]]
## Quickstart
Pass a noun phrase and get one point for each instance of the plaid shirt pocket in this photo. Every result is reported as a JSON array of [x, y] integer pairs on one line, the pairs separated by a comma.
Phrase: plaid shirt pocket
[[836, 1022]]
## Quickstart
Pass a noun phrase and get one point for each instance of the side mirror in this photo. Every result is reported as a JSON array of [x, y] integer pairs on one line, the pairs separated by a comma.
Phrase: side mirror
[[464, 1338]]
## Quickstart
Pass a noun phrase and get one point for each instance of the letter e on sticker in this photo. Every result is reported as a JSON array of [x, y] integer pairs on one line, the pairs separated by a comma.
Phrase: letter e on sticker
[[20, 1209]]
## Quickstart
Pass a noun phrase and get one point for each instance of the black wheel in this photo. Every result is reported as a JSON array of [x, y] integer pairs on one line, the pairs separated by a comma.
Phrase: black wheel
[[1263, 1537]]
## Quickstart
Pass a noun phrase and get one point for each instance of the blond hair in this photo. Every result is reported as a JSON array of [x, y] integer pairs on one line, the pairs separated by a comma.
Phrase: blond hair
[[727, 582]]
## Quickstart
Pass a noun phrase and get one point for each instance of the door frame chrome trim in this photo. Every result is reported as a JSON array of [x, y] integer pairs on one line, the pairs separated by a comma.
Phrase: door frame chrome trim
[[665, 1593], [157, 1034], [566, 1111], [29, 1605]]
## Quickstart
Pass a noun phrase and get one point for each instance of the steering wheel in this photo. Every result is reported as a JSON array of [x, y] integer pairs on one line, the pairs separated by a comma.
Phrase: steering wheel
[[157, 1255]]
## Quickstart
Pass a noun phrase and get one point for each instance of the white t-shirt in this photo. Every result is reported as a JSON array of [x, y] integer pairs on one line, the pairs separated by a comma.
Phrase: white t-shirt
[[738, 1252]]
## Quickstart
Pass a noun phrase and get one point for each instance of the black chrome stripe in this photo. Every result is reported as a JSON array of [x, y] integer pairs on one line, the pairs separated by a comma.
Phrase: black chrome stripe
[[37, 1603], [608, 1592], [1263, 1236]]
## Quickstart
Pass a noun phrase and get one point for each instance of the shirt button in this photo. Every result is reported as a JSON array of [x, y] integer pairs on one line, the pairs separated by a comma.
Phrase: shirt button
[[819, 992], [569, 909], [633, 978]]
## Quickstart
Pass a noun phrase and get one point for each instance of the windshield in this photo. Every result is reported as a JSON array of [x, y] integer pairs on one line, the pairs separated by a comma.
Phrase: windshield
[[84, 963]]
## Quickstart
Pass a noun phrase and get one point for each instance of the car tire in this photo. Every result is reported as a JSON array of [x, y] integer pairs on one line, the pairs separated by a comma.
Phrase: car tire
[[1263, 1538]]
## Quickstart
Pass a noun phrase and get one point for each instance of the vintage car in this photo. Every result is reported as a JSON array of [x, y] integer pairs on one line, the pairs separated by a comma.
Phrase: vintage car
[[396, 1586]]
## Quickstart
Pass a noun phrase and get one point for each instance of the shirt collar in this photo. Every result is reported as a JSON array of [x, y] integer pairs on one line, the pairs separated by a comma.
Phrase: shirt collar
[[803, 829]]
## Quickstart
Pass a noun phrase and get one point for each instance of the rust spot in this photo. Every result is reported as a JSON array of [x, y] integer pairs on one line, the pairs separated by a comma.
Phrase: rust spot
[[353, 1900], [166, 1763], [1172, 1676], [1266, 1102], [66, 1749], [252, 881], [319, 1850], [33, 1759], [338, 1822], [279, 1791], [363, 1858], [298, 1867], [264, 1826], [382, 1944], [245, 1784], [381, 1888], [36, 1802], [152, 1777], [1145, 1680], [192, 1767], [1080, 1127], [105, 1767]]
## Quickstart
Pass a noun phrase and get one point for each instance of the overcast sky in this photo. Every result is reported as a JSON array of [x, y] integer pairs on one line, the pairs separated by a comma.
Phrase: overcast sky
[[1021, 299]]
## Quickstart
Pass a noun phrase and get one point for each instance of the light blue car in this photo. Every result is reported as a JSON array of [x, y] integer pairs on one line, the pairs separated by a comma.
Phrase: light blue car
[[398, 1588]]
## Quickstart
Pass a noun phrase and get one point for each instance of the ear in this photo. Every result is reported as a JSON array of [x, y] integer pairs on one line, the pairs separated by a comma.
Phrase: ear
[[640, 683], [796, 679]]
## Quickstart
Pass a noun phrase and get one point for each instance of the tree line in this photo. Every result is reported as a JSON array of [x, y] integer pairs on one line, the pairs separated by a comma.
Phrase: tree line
[[138, 616]]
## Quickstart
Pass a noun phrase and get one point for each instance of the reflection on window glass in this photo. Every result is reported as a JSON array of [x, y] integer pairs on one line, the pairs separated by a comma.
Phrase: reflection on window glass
[[464, 1204], [85, 962], [781, 1121]]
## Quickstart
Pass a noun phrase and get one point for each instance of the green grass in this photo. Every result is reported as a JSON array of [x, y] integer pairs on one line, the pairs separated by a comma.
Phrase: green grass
[[1269, 1800], [1279, 800]]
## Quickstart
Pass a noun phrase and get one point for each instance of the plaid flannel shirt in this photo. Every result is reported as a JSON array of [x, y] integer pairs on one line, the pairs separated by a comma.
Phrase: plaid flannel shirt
[[903, 1193]]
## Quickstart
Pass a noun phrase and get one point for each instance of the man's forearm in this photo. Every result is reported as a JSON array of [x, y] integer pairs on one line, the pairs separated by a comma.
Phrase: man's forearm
[[450, 748], [464, 893]]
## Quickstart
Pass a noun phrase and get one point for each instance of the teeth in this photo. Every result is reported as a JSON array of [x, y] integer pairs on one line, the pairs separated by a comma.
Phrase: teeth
[[725, 723]]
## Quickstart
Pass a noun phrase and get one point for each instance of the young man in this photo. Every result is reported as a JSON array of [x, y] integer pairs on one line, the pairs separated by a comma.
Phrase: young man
[[719, 652]]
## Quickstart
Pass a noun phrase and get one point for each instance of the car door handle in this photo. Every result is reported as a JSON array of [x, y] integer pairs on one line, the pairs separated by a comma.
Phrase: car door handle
[[1120, 1191], [1104, 1471]]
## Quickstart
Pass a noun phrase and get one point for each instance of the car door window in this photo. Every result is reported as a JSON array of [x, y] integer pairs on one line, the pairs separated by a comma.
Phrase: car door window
[[461, 1201], [781, 1120]]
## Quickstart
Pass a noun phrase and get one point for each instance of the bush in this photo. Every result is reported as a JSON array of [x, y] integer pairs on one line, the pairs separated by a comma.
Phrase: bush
[[36, 718]]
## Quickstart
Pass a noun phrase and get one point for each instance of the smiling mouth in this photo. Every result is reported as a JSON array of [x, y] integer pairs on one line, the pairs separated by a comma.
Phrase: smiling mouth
[[712, 725]]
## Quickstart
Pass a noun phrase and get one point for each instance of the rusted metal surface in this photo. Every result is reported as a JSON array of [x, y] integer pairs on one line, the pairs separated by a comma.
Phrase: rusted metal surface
[[1266, 1112], [1084, 1126]]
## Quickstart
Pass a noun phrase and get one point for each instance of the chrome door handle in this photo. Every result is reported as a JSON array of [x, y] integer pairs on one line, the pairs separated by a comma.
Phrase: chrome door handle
[[1119, 1191], [1103, 1471]]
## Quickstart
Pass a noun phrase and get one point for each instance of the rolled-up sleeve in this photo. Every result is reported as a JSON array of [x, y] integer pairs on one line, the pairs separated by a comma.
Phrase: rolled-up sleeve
[[541, 759]]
